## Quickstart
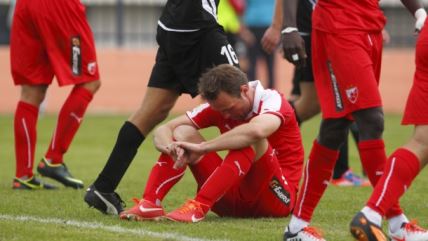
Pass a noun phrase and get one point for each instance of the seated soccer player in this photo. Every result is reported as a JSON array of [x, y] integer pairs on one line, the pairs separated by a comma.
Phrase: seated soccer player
[[258, 177]]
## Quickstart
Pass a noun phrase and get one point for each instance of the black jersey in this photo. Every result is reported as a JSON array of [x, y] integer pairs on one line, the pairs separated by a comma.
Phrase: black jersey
[[304, 15], [188, 15]]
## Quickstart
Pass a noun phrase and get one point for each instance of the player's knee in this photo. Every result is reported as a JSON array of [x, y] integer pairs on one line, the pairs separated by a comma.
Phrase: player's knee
[[370, 123], [260, 147], [33, 95], [333, 133], [92, 86], [187, 133]]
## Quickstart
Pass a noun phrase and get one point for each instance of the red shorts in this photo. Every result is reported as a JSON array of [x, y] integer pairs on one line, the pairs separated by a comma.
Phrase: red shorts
[[346, 70], [416, 111], [52, 38], [264, 191]]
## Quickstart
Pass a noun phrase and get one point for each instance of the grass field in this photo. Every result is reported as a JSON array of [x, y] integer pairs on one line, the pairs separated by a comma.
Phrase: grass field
[[62, 214]]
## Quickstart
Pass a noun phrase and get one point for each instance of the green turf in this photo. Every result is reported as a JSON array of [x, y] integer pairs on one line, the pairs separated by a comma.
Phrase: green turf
[[44, 213]]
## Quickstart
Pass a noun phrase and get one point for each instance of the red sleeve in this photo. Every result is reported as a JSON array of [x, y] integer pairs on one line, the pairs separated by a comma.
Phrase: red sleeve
[[202, 116]]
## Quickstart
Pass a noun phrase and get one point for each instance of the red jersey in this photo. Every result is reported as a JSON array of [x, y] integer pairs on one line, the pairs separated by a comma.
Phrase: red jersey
[[336, 16], [286, 140]]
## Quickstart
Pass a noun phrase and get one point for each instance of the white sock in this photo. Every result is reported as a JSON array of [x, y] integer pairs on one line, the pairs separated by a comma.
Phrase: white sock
[[395, 222], [296, 224], [372, 216]]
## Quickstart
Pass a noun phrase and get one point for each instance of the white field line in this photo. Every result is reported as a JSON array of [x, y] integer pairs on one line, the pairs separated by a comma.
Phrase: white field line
[[100, 226]]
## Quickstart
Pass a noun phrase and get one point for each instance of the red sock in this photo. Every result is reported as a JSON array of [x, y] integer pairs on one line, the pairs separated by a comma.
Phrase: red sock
[[373, 158], [205, 167], [69, 120], [401, 168], [318, 172], [162, 178], [25, 138], [234, 167]]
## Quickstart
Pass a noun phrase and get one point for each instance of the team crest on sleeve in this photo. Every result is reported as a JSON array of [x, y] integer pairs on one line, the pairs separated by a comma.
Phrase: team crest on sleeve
[[352, 94]]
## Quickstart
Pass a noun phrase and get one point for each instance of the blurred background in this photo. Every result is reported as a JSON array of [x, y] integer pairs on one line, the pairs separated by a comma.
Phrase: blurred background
[[125, 30]]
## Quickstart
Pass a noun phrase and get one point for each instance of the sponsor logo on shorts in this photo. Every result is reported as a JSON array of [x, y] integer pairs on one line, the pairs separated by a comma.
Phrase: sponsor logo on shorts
[[279, 191], [352, 94], [92, 68], [76, 56], [336, 92]]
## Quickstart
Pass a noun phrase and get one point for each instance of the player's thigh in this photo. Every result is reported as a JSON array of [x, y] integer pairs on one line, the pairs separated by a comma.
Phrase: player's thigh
[[418, 144], [69, 42], [157, 103], [345, 69], [275, 199], [29, 59]]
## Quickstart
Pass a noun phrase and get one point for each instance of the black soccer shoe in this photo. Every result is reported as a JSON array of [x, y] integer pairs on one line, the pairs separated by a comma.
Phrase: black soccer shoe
[[60, 173], [107, 203], [31, 184], [364, 230]]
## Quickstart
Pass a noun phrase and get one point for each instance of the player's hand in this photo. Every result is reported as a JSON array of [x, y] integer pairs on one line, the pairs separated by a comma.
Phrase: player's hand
[[182, 158], [195, 148], [420, 16], [171, 150], [187, 153], [294, 48], [271, 39]]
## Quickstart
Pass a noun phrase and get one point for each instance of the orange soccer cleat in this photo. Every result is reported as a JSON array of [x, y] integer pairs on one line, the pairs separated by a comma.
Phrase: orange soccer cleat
[[191, 212]]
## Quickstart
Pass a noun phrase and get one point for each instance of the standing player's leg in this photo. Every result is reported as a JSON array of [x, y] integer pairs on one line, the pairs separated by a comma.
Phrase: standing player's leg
[[69, 120], [402, 166], [71, 51], [318, 172], [31, 70], [155, 107], [25, 124]]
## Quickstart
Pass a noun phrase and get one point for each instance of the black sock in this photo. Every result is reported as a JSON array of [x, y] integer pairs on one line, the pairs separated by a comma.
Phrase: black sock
[[295, 112], [342, 164], [124, 151]]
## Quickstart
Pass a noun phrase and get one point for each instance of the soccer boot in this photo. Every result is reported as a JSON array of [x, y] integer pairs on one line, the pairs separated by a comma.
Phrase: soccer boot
[[58, 172], [364, 230], [350, 179], [305, 234], [143, 210], [409, 232], [107, 203], [191, 212], [31, 184]]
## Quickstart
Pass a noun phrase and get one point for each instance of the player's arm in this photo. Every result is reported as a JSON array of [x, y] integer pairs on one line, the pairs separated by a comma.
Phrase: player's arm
[[272, 35], [415, 7], [292, 43], [244, 135], [163, 135]]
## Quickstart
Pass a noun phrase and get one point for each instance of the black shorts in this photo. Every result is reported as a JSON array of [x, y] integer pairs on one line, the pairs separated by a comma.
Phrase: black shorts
[[304, 74], [183, 57]]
